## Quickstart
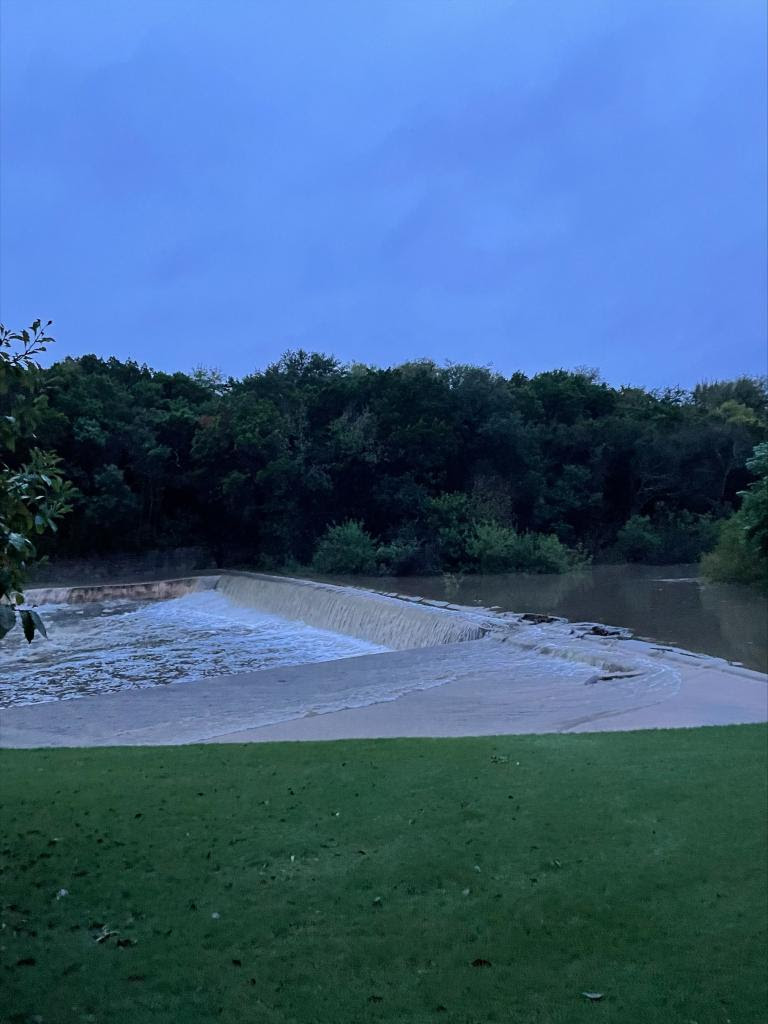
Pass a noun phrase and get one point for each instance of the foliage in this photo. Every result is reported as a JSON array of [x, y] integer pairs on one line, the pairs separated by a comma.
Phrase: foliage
[[405, 555], [638, 541], [33, 493], [736, 557], [450, 526], [360, 881], [346, 548], [256, 469], [667, 538], [494, 548], [741, 554], [754, 509]]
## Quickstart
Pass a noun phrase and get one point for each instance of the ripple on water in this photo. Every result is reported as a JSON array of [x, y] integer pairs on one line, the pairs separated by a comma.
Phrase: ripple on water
[[119, 645]]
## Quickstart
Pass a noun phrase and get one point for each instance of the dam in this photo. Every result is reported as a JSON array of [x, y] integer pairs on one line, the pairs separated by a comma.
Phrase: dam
[[240, 654]]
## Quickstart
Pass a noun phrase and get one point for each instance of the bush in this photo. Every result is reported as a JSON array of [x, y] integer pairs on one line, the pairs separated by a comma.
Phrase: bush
[[404, 556], [638, 540], [737, 558], [494, 548], [667, 538], [685, 537], [347, 548], [755, 499], [449, 523]]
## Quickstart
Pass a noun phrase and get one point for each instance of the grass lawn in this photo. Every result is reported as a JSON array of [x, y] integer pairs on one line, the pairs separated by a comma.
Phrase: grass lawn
[[466, 880]]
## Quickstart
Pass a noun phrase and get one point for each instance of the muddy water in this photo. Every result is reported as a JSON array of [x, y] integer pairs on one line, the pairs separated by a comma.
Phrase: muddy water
[[667, 603]]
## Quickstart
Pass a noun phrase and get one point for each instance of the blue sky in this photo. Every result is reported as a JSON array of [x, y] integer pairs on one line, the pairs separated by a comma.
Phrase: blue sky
[[521, 184]]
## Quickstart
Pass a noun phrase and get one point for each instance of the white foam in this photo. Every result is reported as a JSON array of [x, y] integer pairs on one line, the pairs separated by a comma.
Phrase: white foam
[[398, 623], [101, 647]]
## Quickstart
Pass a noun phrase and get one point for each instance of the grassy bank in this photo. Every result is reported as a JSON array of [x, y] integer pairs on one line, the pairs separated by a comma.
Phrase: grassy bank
[[463, 880]]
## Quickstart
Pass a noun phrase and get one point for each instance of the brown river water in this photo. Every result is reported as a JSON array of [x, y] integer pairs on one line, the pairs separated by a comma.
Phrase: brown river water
[[668, 604]]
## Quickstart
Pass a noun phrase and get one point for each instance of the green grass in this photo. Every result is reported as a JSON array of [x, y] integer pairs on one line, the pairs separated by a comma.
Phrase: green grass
[[359, 881]]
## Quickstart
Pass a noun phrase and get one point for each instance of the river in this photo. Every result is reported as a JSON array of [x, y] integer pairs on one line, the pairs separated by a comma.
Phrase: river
[[668, 604]]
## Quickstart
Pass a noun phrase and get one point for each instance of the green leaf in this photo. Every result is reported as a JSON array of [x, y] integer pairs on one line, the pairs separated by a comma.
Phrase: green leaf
[[28, 625], [39, 624], [7, 619]]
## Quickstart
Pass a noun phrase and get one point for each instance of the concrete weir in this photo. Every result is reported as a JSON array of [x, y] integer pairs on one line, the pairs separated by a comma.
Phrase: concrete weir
[[155, 590], [393, 622], [449, 671]]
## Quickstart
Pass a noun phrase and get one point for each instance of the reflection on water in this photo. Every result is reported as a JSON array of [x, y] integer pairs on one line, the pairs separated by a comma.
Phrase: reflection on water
[[667, 603]]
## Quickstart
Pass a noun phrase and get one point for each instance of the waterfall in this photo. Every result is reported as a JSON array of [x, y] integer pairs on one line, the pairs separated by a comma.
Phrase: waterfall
[[392, 622]]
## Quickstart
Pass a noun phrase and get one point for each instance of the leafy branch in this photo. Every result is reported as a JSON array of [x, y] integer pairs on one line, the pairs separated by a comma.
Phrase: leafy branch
[[34, 494]]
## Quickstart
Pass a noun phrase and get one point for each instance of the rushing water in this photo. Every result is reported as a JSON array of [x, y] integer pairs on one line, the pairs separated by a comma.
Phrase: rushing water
[[378, 618], [667, 603], [105, 646]]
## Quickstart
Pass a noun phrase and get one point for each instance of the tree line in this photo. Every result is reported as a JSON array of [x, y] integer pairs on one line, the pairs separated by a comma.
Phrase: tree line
[[411, 469]]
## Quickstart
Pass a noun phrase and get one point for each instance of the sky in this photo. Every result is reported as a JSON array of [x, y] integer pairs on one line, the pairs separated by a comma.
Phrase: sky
[[524, 185]]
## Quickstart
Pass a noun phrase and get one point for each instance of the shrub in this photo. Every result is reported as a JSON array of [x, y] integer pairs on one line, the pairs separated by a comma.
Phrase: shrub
[[449, 522], [346, 548], [403, 556], [494, 548], [737, 558], [666, 538], [638, 540], [755, 506], [685, 537]]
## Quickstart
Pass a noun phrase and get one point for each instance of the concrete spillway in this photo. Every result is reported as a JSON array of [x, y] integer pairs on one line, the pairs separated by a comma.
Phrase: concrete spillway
[[378, 618], [256, 656], [156, 590]]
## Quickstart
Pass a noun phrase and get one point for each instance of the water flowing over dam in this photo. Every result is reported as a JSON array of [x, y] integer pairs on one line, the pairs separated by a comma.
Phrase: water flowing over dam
[[393, 622], [249, 651]]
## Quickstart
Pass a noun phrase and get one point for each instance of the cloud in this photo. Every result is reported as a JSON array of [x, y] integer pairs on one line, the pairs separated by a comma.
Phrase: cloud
[[476, 181]]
